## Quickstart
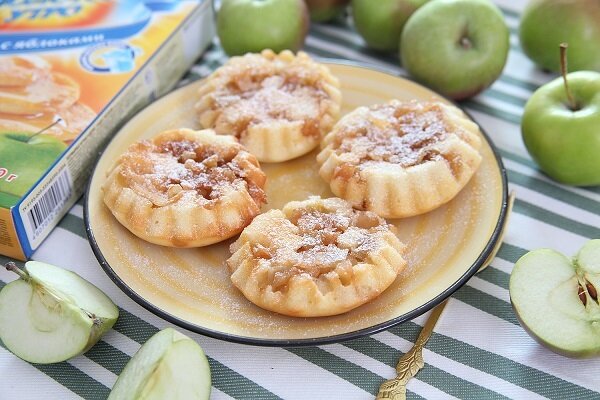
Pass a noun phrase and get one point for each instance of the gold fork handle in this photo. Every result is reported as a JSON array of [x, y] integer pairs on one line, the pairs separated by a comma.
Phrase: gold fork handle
[[411, 362]]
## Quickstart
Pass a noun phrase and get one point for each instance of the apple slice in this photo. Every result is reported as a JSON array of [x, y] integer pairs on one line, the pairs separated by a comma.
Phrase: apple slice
[[556, 299], [51, 314], [169, 365]]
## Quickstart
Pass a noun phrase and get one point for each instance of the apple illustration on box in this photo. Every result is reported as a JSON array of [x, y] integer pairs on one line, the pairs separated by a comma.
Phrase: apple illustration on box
[[26, 157]]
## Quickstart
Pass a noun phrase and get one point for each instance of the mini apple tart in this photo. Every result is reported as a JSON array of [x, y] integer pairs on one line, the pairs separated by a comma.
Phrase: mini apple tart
[[65, 124], [278, 105], [185, 188], [315, 258], [401, 158]]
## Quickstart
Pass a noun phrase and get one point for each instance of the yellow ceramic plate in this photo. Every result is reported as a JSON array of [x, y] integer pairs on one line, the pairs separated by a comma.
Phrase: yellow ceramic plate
[[191, 287]]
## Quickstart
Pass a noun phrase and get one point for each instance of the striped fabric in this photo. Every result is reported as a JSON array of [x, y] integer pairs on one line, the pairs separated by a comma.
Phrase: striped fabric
[[478, 350]]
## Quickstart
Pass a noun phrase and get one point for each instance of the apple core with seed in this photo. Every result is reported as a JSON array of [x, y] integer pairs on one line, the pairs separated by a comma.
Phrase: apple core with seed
[[556, 299]]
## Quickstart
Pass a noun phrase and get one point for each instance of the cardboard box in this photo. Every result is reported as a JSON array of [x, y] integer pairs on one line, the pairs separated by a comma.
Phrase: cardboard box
[[71, 72]]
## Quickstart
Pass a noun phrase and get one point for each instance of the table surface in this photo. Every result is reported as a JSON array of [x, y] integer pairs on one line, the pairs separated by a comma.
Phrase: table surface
[[478, 350]]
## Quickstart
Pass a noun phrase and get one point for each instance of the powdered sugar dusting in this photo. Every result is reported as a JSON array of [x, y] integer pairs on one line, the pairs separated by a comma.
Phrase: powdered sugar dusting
[[396, 133], [170, 171], [254, 90], [329, 239]]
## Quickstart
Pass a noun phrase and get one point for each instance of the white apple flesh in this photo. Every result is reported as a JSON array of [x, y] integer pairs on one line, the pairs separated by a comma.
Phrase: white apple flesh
[[51, 314], [170, 366], [556, 299]]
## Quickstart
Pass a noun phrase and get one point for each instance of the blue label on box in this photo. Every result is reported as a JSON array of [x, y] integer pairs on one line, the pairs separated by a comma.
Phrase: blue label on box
[[48, 25]]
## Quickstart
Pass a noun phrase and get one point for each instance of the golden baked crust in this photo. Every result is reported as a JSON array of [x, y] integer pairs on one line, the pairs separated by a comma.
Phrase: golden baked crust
[[185, 188], [278, 105], [401, 158], [314, 258]]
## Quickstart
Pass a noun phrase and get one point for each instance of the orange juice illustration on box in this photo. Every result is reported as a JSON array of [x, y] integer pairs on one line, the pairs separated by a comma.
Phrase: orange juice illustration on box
[[60, 63], [71, 71]]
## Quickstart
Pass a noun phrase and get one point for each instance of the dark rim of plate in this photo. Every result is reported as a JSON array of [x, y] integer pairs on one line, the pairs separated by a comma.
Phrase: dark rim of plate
[[326, 339]]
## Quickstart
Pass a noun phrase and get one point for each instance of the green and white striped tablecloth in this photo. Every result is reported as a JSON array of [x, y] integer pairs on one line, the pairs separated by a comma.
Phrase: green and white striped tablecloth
[[478, 350]]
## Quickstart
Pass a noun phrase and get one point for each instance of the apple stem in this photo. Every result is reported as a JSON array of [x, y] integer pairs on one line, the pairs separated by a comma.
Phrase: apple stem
[[11, 266], [44, 129], [563, 69], [93, 317]]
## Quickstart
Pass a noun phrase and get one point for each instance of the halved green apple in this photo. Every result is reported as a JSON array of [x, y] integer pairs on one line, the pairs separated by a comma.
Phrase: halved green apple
[[170, 366], [51, 314], [556, 299]]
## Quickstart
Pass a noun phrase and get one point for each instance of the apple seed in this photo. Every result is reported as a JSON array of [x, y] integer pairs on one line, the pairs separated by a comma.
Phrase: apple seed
[[581, 294], [591, 291]]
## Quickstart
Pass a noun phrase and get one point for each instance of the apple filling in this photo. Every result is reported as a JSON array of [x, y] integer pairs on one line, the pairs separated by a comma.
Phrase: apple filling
[[327, 242], [270, 93], [405, 134], [163, 171], [315, 257], [323, 240]]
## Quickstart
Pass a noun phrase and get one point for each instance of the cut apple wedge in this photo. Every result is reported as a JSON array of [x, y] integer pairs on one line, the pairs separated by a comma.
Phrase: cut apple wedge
[[51, 314], [170, 366], [556, 299]]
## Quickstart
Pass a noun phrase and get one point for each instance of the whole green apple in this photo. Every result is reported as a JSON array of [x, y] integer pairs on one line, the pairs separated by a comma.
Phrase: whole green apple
[[547, 23], [249, 26], [28, 157], [456, 47], [325, 10], [565, 140], [380, 22]]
